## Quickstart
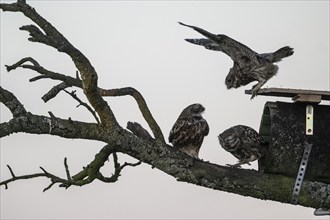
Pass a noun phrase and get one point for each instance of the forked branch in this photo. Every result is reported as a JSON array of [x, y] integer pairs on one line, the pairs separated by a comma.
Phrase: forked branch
[[69, 81], [90, 174], [81, 103], [47, 34]]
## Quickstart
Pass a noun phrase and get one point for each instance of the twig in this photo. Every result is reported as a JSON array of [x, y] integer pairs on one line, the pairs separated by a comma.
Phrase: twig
[[11, 171], [48, 187], [77, 75], [74, 96], [130, 164], [36, 78], [68, 176], [52, 116], [22, 61], [15, 178]]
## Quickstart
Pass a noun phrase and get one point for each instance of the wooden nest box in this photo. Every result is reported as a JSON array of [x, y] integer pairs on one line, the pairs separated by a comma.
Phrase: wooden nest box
[[289, 127]]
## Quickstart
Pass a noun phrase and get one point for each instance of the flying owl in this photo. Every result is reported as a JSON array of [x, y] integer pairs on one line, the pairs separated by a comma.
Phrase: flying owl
[[244, 143], [189, 130], [248, 65]]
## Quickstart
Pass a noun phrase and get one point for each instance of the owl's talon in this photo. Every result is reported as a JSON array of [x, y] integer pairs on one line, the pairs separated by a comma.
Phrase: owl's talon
[[254, 94]]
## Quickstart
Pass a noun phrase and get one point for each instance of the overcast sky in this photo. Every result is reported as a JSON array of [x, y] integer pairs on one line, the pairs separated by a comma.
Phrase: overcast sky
[[140, 44]]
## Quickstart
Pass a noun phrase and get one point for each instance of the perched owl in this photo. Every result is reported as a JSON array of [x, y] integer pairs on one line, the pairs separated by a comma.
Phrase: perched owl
[[248, 65], [189, 130], [244, 143]]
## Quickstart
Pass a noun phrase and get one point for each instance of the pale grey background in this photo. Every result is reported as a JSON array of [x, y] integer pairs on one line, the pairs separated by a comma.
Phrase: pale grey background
[[140, 44]]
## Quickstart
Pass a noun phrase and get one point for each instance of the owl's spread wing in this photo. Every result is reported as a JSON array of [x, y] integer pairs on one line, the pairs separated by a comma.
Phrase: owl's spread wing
[[238, 52], [208, 44]]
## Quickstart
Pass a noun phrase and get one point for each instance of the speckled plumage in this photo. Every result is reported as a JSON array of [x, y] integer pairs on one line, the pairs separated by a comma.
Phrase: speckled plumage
[[189, 130], [244, 143], [248, 65]]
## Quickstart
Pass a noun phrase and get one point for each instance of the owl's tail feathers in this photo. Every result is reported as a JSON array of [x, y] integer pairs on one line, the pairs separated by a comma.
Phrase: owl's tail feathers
[[282, 53]]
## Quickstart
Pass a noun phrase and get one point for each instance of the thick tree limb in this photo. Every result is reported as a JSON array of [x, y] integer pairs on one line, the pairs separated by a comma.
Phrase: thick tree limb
[[11, 102], [175, 163], [35, 124], [239, 181]]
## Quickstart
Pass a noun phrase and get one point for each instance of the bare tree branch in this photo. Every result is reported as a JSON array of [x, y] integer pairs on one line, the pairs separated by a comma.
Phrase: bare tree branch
[[142, 106], [21, 62], [35, 124], [54, 91], [86, 176], [11, 102], [68, 176], [45, 74], [118, 168], [70, 81], [15, 178], [92, 170], [40, 124], [81, 103], [52, 37]]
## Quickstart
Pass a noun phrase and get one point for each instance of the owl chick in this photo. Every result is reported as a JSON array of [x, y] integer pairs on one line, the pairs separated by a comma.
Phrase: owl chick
[[189, 130], [248, 65], [244, 143]]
